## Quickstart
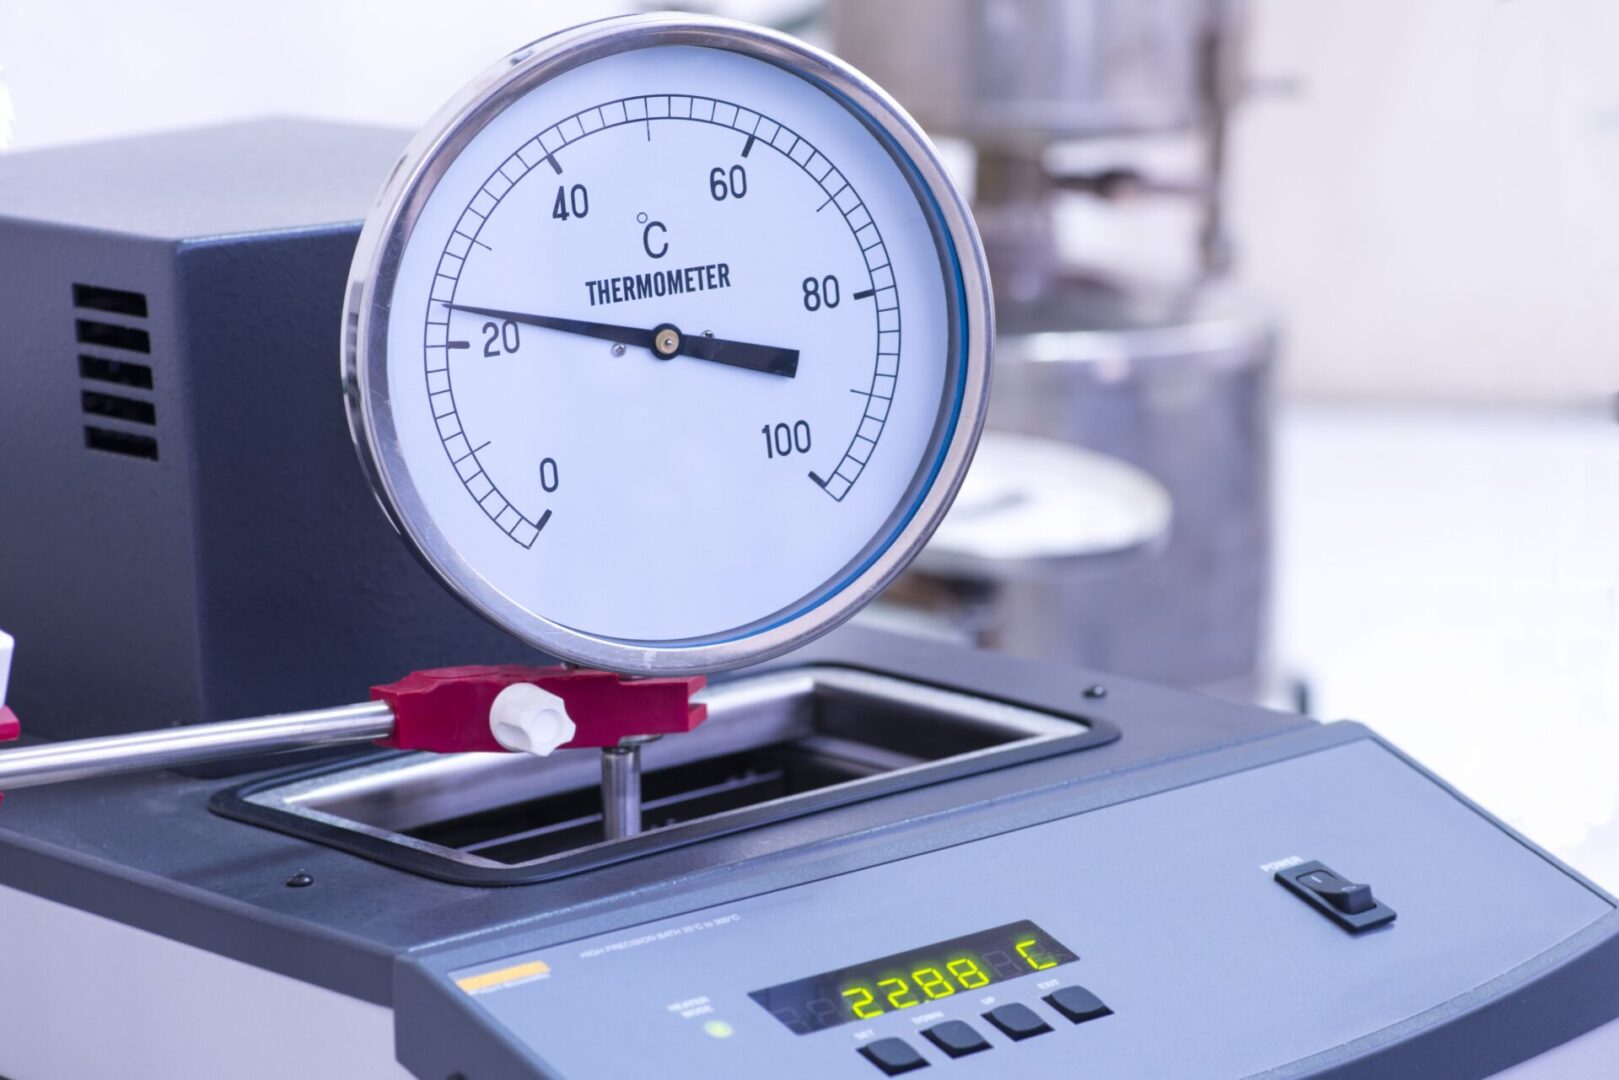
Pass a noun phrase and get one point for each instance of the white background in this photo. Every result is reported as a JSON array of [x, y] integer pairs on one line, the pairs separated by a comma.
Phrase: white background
[[1424, 188]]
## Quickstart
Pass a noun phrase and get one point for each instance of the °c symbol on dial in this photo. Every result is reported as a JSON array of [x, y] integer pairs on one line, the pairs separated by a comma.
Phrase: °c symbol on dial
[[646, 240]]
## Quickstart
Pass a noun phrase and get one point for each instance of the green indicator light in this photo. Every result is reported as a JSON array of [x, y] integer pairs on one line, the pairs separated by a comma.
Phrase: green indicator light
[[719, 1029]]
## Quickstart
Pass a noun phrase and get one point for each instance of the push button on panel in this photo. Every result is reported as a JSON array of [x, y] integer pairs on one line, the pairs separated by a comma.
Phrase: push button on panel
[[893, 1056], [1017, 1021], [956, 1038], [1348, 903], [1078, 1004]]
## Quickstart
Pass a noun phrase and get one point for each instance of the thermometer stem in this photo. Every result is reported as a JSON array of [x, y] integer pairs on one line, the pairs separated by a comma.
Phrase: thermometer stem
[[621, 791]]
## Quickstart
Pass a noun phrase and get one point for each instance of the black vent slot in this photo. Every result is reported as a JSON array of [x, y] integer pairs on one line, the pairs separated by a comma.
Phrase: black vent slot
[[119, 408], [120, 372], [117, 301], [121, 442], [110, 336], [129, 405]]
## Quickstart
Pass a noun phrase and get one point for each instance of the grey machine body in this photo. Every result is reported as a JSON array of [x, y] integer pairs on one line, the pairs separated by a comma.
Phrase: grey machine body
[[218, 555], [1148, 854], [183, 531]]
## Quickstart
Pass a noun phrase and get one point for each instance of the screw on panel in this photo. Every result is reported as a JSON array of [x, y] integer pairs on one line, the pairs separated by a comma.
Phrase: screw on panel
[[1096, 690], [301, 880]]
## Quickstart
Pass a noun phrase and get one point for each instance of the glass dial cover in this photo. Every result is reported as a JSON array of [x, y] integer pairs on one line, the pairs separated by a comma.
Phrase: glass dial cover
[[667, 343]]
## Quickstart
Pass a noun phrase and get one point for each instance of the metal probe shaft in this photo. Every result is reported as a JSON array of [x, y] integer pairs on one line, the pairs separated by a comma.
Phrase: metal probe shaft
[[175, 747], [621, 790]]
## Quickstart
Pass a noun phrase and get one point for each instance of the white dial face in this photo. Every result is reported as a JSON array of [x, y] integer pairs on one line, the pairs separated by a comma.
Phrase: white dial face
[[669, 347]]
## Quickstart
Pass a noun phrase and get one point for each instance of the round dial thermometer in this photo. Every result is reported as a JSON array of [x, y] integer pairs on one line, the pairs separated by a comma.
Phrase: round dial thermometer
[[668, 343]]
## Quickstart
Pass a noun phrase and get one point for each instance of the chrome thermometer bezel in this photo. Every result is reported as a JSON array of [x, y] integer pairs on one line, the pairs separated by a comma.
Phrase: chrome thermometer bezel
[[387, 232]]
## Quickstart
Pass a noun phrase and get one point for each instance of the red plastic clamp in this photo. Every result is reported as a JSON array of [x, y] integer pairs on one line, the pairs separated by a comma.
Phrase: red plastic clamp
[[446, 710], [10, 729]]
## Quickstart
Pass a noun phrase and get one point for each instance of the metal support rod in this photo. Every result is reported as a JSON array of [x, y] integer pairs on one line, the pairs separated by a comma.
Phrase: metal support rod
[[171, 748], [621, 791], [1220, 77]]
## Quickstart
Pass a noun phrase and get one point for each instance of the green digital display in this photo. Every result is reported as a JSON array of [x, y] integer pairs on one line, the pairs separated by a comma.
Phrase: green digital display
[[916, 977]]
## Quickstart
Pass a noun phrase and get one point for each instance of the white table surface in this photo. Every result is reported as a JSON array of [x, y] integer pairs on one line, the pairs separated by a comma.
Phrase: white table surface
[[1452, 579]]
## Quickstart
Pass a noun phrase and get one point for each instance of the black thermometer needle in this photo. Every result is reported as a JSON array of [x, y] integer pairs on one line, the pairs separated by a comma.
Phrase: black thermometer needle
[[664, 341]]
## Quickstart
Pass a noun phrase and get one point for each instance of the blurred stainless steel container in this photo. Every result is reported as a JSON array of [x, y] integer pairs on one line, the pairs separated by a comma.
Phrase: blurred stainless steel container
[[1179, 386], [999, 70], [1172, 379], [1035, 519]]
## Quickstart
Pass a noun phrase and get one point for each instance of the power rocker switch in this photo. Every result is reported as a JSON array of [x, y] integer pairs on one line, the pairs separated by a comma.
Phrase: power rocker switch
[[1349, 904]]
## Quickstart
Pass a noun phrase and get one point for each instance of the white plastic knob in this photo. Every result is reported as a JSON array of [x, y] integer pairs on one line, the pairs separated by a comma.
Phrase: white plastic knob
[[530, 720]]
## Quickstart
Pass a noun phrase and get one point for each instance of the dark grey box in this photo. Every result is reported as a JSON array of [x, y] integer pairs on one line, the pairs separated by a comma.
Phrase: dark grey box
[[185, 534]]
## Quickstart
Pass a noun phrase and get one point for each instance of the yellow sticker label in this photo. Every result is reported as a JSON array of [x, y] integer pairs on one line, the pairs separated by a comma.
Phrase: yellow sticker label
[[490, 979]]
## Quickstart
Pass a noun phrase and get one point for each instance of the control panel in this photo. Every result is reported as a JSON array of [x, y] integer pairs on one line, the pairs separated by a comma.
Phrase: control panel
[[1186, 933]]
